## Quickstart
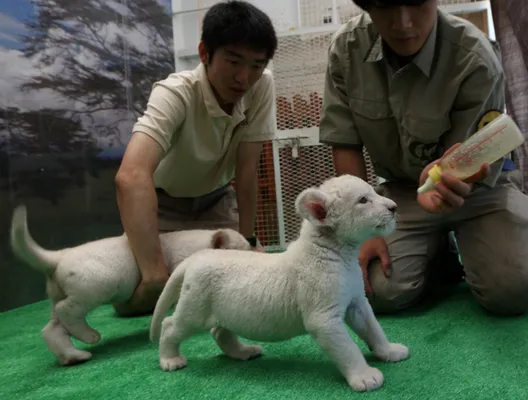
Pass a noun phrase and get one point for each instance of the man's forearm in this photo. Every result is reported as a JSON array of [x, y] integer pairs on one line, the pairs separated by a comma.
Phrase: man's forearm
[[138, 208], [246, 193], [349, 161]]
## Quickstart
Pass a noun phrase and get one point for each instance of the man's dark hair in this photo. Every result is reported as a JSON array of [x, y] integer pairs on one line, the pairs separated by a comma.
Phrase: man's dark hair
[[237, 22], [368, 4]]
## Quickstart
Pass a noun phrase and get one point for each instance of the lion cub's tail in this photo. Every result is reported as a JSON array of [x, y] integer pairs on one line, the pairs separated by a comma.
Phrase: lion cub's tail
[[26, 248], [169, 296]]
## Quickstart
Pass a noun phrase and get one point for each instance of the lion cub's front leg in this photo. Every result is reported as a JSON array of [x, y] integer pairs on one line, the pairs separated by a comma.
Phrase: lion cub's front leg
[[330, 333]]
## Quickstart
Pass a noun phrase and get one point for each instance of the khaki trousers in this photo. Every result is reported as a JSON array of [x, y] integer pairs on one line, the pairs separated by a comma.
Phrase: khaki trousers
[[214, 210], [491, 230]]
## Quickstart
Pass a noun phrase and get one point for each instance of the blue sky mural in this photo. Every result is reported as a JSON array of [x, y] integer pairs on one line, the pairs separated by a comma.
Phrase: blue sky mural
[[13, 14], [93, 46]]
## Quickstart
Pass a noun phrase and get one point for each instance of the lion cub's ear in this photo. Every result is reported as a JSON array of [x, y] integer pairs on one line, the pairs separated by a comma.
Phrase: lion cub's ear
[[220, 239], [312, 205]]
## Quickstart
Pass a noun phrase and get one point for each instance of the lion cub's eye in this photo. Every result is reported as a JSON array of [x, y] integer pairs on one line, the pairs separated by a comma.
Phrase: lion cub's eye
[[362, 200]]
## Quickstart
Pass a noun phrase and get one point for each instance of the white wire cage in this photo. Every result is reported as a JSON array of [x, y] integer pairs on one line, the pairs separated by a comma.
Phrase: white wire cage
[[296, 160]]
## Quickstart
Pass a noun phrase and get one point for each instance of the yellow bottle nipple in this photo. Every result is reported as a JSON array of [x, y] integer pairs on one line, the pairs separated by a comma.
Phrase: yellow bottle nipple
[[435, 174]]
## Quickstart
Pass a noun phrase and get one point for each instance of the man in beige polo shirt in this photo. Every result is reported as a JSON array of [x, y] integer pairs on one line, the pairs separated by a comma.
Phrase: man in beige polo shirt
[[407, 82], [201, 129]]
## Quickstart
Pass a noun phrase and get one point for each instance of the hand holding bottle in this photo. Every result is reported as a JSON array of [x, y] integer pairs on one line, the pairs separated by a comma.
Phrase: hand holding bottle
[[446, 182], [449, 192]]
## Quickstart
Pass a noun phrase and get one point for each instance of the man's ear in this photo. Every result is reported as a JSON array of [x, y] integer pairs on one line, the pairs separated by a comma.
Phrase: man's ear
[[203, 53], [312, 204]]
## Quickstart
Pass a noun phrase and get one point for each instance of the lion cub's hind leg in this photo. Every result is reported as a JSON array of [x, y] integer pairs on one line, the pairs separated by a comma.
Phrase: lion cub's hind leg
[[233, 347]]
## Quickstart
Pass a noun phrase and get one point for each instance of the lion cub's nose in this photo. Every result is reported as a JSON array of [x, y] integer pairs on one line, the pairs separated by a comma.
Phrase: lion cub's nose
[[392, 208]]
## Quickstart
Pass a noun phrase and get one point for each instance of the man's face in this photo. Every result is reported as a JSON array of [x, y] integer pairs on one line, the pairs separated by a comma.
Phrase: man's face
[[405, 28], [233, 70]]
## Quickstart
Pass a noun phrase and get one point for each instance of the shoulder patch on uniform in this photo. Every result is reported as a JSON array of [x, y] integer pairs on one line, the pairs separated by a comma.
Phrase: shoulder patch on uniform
[[487, 117]]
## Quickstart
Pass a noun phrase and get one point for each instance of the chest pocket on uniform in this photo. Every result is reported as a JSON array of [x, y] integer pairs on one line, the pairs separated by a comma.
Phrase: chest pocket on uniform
[[374, 121], [376, 125], [421, 139]]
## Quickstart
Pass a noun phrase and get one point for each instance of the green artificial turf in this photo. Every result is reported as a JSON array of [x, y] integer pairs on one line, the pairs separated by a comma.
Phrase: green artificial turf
[[458, 352]]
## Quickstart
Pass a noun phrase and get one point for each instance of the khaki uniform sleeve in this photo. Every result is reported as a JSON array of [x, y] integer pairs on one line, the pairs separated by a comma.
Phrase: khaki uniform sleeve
[[337, 125], [481, 92], [262, 122], [163, 116]]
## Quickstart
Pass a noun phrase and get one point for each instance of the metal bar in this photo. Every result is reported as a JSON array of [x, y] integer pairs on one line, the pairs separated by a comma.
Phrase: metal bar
[[278, 196], [192, 10]]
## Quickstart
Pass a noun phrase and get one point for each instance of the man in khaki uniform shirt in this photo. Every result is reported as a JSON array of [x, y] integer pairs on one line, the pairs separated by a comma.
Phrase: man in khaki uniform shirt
[[201, 129], [408, 81]]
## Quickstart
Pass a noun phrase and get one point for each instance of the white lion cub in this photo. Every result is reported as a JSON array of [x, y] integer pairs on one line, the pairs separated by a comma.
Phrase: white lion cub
[[81, 278], [312, 287]]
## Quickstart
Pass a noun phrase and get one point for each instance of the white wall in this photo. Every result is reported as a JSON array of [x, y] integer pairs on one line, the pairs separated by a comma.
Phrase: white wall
[[187, 25]]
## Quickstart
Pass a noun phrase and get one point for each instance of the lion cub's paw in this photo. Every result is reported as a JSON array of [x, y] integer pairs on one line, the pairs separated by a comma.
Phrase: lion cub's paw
[[173, 363], [89, 336], [246, 352], [393, 353], [366, 380], [74, 357]]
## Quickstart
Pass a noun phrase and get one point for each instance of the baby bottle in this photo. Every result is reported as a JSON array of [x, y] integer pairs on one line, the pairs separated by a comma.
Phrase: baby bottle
[[489, 144]]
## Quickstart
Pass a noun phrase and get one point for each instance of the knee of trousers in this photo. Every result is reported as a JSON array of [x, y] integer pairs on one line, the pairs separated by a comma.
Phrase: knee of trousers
[[402, 289], [504, 295]]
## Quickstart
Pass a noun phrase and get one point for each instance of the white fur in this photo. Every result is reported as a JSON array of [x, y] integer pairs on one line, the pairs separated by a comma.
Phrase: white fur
[[81, 278], [312, 287]]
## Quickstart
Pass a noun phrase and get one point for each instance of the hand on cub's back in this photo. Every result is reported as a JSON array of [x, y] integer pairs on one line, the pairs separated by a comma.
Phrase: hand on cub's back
[[144, 299]]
